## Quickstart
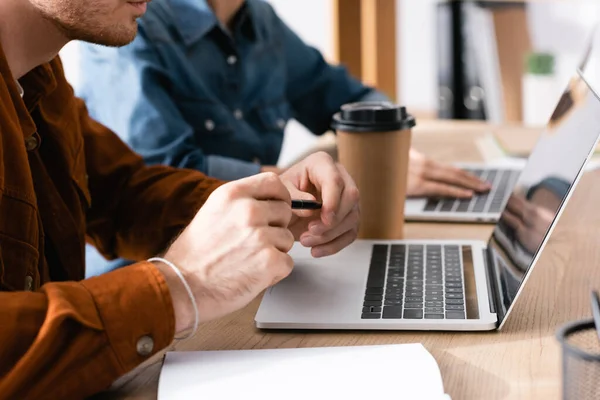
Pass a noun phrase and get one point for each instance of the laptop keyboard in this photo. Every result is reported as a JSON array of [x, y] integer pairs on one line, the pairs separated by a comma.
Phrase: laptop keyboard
[[502, 182], [415, 282]]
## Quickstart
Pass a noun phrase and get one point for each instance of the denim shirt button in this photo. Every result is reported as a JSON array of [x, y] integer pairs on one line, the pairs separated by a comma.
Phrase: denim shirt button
[[281, 123], [238, 114], [209, 124], [231, 59]]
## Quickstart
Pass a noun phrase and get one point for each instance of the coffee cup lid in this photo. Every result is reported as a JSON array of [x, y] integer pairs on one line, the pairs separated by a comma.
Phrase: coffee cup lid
[[372, 116]]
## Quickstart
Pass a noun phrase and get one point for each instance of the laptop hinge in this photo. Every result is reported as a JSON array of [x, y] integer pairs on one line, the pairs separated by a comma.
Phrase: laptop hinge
[[490, 275]]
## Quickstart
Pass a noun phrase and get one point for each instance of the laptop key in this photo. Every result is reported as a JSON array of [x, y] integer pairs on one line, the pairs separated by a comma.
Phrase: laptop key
[[414, 299], [395, 278], [455, 307], [454, 290], [413, 314], [454, 295], [376, 303], [413, 305], [371, 309], [434, 304], [434, 281], [415, 294], [392, 312], [434, 316], [394, 296], [434, 310], [434, 292], [454, 301], [370, 316], [374, 290], [434, 298], [389, 302], [455, 315], [453, 285], [431, 205], [373, 297], [463, 205], [447, 205]]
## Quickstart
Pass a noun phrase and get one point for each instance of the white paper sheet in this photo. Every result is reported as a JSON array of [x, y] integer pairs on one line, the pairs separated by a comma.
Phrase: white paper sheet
[[363, 372]]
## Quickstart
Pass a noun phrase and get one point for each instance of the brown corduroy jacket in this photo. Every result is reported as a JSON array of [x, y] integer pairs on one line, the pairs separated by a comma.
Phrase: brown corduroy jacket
[[65, 178]]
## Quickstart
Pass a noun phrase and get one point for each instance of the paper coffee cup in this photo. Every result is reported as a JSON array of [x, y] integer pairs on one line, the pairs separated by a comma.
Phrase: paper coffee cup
[[374, 141]]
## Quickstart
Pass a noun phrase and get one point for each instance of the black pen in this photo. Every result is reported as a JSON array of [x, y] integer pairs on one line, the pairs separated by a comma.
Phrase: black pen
[[596, 311], [306, 205]]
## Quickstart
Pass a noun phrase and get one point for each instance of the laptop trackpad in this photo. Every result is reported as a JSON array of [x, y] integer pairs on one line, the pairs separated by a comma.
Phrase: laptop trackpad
[[316, 288]]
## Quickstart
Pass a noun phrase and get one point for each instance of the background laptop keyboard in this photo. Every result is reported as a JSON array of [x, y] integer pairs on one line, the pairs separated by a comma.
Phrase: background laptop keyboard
[[415, 282], [502, 181]]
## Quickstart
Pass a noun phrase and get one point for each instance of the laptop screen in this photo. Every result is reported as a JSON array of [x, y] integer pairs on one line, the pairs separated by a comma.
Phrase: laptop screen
[[542, 188]]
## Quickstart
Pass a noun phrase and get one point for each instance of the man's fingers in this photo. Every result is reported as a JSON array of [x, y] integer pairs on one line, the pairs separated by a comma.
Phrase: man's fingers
[[280, 238], [334, 246], [454, 176], [435, 189], [348, 224], [349, 199], [517, 206], [512, 220], [264, 186], [278, 213], [300, 195], [326, 178]]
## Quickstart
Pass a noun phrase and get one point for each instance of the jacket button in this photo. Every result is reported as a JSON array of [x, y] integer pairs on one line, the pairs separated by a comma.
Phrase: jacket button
[[209, 124], [145, 345], [238, 114], [281, 123], [29, 283], [32, 142]]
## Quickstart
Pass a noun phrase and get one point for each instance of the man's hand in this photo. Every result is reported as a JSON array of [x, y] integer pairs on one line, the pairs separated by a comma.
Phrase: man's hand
[[428, 178], [271, 168], [335, 226], [234, 248], [530, 221]]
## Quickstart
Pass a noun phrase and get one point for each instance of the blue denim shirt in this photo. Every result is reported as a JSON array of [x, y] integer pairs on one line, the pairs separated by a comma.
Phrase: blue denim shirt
[[189, 93]]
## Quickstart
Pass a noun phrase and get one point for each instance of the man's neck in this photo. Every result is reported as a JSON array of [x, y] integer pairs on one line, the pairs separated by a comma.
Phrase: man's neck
[[225, 10], [27, 38]]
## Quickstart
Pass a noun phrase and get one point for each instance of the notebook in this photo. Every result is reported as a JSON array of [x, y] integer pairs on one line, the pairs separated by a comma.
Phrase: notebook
[[405, 371]]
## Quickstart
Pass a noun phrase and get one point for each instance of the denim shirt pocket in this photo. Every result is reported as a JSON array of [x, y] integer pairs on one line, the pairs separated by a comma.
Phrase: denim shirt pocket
[[206, 117], [274, 116]]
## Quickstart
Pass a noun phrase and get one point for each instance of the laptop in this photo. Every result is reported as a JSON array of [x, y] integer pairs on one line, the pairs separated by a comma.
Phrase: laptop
[[457, 285], [482, 207]]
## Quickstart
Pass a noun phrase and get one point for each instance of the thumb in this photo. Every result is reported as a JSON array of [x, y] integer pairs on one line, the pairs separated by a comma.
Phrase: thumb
[[296, 194]]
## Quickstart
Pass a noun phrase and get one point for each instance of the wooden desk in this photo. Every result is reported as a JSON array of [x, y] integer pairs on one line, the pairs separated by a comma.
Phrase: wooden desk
[[520, 362]]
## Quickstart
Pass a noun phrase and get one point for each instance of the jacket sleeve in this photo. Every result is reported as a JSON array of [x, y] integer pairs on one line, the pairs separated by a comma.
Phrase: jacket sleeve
[[136, 210], [70, 340]]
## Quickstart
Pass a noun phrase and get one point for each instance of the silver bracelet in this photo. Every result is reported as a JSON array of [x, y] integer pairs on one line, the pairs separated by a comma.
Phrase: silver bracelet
[[189, 290]]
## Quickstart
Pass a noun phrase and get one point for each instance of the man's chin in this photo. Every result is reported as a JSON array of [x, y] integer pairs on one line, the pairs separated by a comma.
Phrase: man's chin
[[115, 37]]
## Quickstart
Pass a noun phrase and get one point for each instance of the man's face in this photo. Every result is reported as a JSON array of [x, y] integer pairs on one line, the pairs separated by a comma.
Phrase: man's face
[[106, 22]]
